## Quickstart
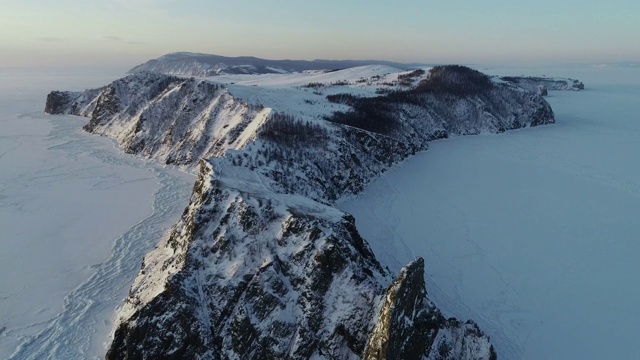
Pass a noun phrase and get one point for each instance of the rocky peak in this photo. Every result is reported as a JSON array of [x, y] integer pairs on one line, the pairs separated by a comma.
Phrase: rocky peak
[[246, 275], [401, 330], [409, 326]]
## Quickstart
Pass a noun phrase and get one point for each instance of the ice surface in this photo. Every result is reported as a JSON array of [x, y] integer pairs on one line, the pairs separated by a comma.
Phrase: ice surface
[[76, 218], [532, 233]]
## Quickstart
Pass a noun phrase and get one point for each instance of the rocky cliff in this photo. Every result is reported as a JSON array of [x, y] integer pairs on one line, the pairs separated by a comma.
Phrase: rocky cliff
[[260, 264], [409, 326], [174, 120]]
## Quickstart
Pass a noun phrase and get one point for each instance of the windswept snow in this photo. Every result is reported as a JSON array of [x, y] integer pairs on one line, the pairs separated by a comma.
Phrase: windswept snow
[[532, 233], [302, 78], [304, 94]]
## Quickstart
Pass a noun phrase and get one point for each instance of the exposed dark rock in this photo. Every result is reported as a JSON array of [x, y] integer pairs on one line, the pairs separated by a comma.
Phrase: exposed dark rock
[[542, 90], [58, 102], [305, 285]]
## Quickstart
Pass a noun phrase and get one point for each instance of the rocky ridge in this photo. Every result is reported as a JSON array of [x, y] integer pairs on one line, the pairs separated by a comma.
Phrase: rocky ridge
[[260, 264], [171, 119]]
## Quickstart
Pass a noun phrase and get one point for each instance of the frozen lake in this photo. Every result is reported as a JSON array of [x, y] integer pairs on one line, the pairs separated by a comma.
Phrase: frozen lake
[[76, 218], [533, 233]]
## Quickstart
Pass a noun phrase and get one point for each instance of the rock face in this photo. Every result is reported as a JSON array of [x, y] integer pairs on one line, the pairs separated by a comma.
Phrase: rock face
[[68, 102], [542, 90], [177, 121], [261, 265], [409, 326], [247, 274]]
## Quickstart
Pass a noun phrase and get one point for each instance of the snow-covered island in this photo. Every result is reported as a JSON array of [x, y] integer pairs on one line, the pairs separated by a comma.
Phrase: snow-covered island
[[543, 84], [262, 264]]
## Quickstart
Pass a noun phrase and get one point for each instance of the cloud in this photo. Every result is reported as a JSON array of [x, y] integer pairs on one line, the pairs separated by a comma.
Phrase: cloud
[[112, 38], [142, 5], [119, 40], [51, 39]]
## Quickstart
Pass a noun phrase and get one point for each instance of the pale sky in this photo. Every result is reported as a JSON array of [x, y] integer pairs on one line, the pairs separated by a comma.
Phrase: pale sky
[[126, 33]]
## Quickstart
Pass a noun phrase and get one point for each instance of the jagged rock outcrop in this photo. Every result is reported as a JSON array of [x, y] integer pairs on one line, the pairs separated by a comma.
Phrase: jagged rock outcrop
[[247, 274], [69, 102], [261, 265], [542, 90], [58, 101], [409, 326]]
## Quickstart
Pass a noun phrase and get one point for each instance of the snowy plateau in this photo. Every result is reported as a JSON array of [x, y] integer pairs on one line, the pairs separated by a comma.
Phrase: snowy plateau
[[266, 261]]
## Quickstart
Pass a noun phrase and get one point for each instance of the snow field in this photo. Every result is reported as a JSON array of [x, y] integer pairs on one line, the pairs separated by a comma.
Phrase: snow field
[[292, 94]]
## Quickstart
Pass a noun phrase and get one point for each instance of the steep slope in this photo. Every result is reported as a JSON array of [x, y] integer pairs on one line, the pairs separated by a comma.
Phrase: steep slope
[[410, 327], [177, 121], [372, 133], [249, 274], [261, 265], [203, 65], [246, 274]]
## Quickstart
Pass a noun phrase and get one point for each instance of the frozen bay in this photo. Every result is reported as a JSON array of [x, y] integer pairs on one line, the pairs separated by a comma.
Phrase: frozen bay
[[532, 233], [76, 218]]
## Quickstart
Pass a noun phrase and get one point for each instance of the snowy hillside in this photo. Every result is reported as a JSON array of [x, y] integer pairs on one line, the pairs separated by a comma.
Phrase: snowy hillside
[[177, 121], [192, 64], [261, 263]]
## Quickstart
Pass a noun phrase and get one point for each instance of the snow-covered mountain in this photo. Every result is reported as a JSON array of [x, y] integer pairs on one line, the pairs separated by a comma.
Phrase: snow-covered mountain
[[321, 122], [261, 265], [177, 121], [193, 64]]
